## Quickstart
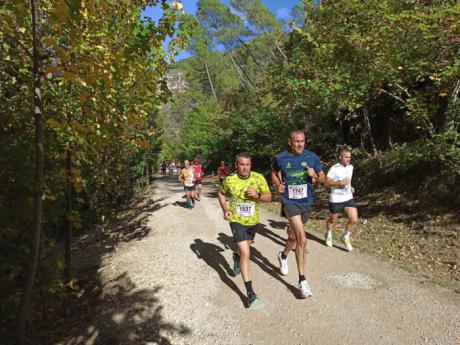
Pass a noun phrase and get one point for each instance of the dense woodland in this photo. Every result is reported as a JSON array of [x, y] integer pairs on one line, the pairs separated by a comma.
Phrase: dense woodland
[[82, 123], [81, 86], [379, 76]]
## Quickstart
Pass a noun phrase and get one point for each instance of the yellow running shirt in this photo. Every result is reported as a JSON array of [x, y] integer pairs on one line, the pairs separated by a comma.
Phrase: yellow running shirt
[[243, 210]]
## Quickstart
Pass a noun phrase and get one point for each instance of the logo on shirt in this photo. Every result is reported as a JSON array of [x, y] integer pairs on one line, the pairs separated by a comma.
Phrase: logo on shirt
[[303, 164], [288, 165]]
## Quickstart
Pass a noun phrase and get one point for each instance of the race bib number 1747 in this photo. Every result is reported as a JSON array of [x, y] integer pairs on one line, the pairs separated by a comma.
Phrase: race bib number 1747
[[298, 192]]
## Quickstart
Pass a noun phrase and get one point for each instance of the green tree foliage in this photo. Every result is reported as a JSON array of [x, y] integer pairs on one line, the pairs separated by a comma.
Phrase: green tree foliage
[[380, 76], [102, 85], [377, 75]]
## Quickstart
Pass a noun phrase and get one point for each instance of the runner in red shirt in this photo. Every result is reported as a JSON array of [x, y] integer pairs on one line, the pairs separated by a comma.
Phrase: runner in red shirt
[[198, 177], [222, 171]]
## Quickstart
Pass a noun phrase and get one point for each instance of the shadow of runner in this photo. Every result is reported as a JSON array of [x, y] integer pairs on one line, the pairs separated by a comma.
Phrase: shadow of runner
[[211, 254], [261, 261], [264, 231], [181, 204], [277, 224], [315, 238]]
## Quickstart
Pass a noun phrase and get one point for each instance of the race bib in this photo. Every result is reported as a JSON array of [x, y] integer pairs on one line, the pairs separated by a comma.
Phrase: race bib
[[198, 174], [344, 190], [298, 192], [246, 209]]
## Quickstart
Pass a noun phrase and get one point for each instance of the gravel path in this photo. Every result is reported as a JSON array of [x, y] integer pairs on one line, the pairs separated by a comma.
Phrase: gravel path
[[175, 286]]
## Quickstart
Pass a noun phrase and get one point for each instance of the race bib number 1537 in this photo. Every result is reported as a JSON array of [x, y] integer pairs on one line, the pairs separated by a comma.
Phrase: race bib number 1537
[[245, 209]]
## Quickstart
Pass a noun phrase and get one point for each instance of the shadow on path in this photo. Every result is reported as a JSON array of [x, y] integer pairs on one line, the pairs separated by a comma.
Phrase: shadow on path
[[275, 224], [103, 305], [266, 232], [181, 204], [261, 261], [211, 254]]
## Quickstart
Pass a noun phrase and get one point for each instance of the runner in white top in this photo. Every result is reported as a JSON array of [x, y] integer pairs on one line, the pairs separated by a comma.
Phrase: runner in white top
[[341, 198]]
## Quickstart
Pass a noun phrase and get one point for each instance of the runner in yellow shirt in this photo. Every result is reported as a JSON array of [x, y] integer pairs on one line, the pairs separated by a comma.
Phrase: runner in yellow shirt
[[245, 189]]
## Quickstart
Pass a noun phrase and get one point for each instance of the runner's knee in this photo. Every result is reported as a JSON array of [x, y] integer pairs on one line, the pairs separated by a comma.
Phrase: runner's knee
[[352, 221], [244, 254]]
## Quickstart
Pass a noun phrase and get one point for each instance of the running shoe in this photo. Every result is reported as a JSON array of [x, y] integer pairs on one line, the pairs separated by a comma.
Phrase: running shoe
[[253, 301], [328, 238], [283, 265], [346, 241], [236, 265], [304, 289]]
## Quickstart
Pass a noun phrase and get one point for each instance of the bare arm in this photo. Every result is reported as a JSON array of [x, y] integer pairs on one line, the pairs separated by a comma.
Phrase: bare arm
[[265, 197], [252, 194], [277, 181], [321, 177], [223, 204], [340, 183]]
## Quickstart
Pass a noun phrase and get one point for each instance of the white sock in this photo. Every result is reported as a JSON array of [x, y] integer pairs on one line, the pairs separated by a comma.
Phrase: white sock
[[346, 233]]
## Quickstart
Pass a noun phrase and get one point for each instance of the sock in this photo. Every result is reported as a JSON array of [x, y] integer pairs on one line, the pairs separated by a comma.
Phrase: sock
[[346, 233], [284, 257], [328, 231], [301, 278], [249, 287], [189, 202]]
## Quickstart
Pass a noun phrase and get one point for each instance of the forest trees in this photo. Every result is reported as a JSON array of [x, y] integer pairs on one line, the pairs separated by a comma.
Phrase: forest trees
[[91, 74], [380, 76]]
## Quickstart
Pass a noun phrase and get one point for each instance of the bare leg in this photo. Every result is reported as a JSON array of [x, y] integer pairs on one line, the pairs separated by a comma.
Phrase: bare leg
[[352, 214], [297, 228], [331, 220], [290, 242], [244, 250]]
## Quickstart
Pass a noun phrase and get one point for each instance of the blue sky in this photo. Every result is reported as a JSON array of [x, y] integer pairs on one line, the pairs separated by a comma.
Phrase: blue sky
[[280, 8]]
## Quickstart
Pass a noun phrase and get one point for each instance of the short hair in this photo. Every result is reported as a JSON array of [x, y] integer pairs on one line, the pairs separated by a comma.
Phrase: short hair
[[343, 149], [295, 131], [242, 155]]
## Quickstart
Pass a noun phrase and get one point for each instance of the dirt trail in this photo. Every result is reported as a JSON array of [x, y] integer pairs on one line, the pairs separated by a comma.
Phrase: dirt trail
[[175, 286]]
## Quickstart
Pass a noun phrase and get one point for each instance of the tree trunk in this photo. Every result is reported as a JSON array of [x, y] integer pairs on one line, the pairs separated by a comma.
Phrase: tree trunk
[[69, 228], [249, 52], [367, 125], [276, 46], [210, 82], [21, 318], [241, 69], [238, 75]]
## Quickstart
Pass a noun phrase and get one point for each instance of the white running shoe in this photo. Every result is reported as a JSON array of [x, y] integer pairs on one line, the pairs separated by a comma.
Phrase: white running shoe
[[304, 289], [283, 265], [346, 241], [328, 238]]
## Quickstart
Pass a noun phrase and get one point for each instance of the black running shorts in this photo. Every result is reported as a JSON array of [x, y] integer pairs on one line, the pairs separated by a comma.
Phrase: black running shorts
[[337, 207], [243, 232], [291, 210]]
